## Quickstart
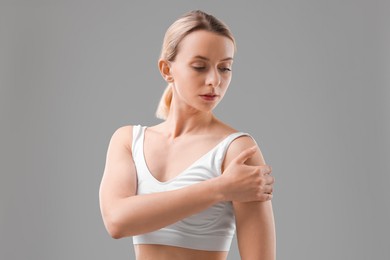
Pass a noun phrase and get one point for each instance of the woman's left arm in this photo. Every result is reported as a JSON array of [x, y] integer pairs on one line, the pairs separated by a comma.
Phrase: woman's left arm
[[254, 220]]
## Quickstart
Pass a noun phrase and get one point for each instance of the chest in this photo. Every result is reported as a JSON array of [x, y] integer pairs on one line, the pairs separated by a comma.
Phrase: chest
[[166, 159]]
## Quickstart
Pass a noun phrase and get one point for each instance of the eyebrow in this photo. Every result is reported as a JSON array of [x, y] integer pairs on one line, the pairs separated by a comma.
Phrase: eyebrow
[[207, 59]]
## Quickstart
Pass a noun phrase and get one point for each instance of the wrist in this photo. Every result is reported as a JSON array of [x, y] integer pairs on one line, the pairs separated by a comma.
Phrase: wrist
[[217, 189]]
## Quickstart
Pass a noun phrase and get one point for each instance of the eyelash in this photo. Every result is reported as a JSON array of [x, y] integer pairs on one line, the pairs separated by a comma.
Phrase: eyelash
[[225, 69], [221, 69]]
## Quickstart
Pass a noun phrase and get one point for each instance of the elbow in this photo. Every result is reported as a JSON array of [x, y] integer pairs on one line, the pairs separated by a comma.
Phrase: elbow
[[114, 229], [116, 235], [118, 227], [114, 232]]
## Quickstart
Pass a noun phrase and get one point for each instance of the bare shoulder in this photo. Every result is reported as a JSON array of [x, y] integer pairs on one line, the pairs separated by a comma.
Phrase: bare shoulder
[[239, 145], [119, 177], [123, 131], [122, 136]]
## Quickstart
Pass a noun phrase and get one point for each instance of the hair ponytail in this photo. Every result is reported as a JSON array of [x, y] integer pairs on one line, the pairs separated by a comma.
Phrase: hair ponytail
[[165, 103]]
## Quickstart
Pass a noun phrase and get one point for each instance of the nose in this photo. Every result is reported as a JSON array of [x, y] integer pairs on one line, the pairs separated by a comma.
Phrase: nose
[[213, 78]]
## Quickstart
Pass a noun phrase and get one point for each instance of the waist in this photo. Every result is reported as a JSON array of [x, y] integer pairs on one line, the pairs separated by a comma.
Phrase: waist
[[165, 252], [177, 238]]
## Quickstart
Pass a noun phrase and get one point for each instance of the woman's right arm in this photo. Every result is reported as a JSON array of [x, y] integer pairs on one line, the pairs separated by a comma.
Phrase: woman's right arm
[[127, 214]]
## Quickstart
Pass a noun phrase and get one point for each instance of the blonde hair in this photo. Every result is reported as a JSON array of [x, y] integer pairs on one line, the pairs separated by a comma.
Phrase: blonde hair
[[189, 22]]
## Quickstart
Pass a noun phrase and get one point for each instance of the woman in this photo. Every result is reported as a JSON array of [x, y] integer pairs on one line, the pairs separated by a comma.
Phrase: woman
[[180, 187]]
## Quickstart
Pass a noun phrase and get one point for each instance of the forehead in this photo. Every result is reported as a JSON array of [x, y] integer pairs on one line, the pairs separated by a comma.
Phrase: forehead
[[207, 44]]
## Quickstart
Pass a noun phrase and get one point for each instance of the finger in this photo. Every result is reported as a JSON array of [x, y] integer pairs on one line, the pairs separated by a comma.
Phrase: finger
[[265, 197], [268, 189], [246, 154], [265, 169], [269, 179]]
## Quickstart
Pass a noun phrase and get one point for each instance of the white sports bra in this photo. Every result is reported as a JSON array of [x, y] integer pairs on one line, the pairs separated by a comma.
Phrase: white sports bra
[[211, 229]]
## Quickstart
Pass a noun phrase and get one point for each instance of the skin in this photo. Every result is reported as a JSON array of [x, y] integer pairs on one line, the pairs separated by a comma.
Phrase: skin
[[202, 66]]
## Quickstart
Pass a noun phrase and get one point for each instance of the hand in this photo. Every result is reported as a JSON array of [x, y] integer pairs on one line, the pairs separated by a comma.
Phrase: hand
[[244, 183]]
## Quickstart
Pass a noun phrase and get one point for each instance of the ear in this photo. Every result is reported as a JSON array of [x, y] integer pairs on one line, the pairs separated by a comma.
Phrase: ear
[[165, 70]]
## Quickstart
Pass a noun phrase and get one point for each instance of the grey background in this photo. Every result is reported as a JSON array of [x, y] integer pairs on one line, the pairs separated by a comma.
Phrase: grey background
[[310, 83]]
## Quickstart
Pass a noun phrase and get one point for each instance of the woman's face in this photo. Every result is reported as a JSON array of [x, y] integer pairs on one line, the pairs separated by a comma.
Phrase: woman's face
[[201, 70]]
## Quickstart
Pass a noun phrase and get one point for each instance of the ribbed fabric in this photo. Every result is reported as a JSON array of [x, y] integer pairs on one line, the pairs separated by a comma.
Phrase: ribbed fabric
[[211, 229]]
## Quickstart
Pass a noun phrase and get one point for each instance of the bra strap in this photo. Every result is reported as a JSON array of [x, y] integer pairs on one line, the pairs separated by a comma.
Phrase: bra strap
[[223, 150]]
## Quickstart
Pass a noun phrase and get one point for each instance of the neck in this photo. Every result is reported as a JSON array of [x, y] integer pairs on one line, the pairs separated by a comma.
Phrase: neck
[[187, 121]]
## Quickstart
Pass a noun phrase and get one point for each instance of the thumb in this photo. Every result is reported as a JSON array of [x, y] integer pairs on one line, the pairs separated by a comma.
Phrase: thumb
[[246, 154]]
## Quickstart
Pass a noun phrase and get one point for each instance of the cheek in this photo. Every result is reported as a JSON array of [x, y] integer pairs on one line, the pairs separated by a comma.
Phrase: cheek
[[226, 80], [186, 75], [194, 78]]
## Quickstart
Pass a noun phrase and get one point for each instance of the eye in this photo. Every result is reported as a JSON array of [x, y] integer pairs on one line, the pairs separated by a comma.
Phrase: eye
[[225, 69], [199, 68]]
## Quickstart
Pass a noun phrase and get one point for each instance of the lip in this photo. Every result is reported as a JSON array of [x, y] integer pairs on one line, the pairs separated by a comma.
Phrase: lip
[[209, 97]]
